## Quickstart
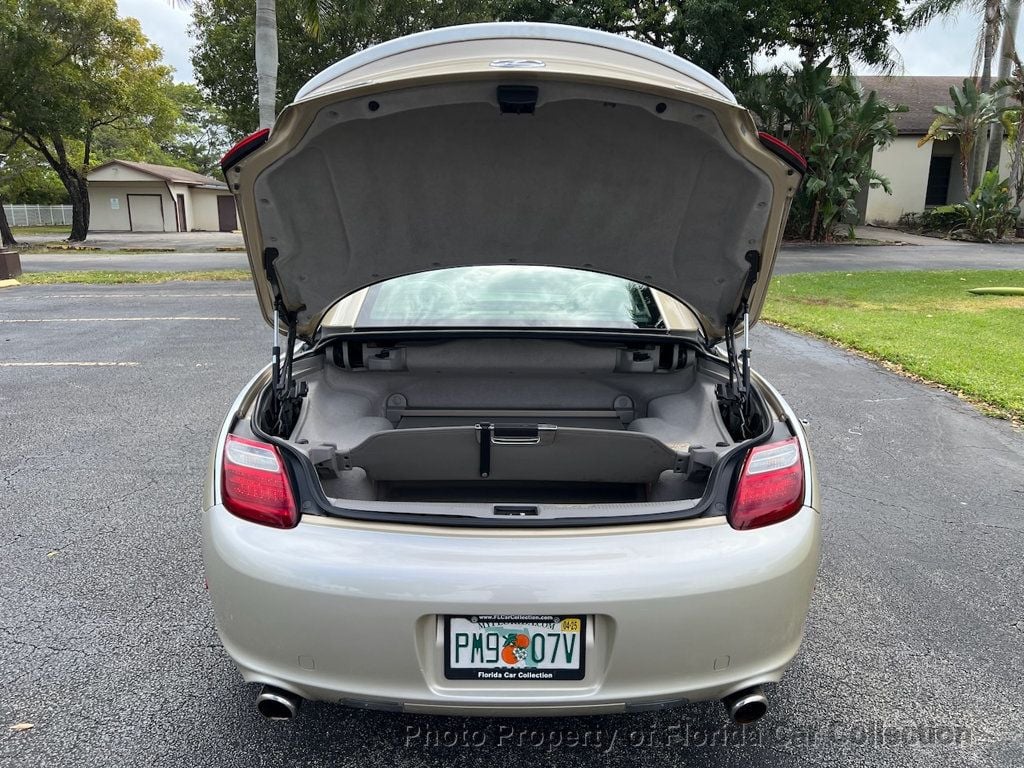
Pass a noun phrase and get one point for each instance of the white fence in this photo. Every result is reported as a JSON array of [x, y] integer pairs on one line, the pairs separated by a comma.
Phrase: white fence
[[38, 215]]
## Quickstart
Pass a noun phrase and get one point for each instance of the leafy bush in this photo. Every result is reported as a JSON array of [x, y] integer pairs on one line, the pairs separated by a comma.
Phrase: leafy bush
[[836, 125], [989, 213], [943, 218], [913, 222]]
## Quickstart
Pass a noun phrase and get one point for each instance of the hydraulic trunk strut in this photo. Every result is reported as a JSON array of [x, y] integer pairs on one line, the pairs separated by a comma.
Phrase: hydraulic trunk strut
[[736, 401], [285, 395]]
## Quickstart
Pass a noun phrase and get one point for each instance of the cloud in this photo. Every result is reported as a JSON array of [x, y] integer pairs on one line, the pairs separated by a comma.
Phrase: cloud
[[166, 25], [944, 47]]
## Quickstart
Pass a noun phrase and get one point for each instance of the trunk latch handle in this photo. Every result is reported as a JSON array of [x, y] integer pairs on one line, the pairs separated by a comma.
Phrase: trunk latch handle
[[510, 434]]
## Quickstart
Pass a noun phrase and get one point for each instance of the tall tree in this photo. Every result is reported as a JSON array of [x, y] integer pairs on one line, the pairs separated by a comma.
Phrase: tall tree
[[966, 121], [200, 134], [225, 51], [71, 69], [266, 60], [1007, 57], [1012, 119], [25, 177], [6, 236], [722, 36], [225, 32], [992, 17], [847, 31]]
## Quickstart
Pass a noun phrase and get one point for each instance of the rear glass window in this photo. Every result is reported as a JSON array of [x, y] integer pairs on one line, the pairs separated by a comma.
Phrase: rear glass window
[[509, 297]]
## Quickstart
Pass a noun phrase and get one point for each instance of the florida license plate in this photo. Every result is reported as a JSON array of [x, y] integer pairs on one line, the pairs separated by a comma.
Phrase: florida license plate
[[515, 647]]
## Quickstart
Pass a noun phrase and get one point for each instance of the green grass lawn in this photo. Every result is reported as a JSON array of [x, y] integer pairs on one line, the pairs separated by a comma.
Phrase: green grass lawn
[[112, 277], [925, 322], [58, 230]]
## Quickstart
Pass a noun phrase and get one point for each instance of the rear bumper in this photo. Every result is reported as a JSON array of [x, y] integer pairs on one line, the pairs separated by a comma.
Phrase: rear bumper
[[348, 612]]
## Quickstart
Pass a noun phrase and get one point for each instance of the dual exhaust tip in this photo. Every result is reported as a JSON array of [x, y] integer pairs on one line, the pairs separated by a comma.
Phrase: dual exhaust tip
[[277, 703], [744, 707]]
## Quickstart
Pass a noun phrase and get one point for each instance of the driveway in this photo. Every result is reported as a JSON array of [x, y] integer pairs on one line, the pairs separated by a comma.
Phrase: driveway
[[913, 649], [935, 254]]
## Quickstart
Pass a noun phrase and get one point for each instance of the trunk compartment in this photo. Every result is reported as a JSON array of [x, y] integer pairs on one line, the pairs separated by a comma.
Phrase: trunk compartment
[[511, 421]]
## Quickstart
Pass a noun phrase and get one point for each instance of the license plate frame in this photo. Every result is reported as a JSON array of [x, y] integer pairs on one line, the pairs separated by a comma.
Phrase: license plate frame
[[532, 623]]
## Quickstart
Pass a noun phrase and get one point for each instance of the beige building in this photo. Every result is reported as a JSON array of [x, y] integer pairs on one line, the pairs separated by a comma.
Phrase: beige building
[[125, 196], [921, 177]]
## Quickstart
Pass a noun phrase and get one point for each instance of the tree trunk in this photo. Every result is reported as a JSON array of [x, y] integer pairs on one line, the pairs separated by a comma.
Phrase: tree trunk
[[266, 60], [813, 231], [73, 179], [1007, 49], [78, 190], [6, 236], [990, 34], [965, 173]]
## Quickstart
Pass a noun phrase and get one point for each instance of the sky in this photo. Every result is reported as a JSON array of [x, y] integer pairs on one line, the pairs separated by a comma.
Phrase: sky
[[945, 47]]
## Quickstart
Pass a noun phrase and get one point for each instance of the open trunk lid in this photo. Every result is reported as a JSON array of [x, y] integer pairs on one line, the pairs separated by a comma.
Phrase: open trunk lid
[[513, 144]]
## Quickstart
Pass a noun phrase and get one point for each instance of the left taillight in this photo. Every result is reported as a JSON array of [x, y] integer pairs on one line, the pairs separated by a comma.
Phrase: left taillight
[[255, 483], [771, 486]]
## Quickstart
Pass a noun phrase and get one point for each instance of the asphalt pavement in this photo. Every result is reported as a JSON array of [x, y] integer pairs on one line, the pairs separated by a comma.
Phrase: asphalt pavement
[[133, 262], [110, 398], [933, 253]]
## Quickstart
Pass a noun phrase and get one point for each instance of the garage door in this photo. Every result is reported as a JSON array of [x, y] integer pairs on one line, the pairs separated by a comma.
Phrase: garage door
[[146, 213]]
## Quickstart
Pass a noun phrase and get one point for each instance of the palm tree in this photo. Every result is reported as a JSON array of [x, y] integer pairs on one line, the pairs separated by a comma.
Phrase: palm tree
[[1012, 121], [972, 112], [1007, 57], [311, 12], [266, 60], [993, 14]]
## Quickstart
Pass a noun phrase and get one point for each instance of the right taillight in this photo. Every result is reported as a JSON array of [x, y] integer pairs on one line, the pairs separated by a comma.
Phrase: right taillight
[[256, 486], [771, 486]]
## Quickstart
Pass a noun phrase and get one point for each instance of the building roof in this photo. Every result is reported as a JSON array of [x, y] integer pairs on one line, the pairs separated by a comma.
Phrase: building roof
[[168, 173], [920, 94]]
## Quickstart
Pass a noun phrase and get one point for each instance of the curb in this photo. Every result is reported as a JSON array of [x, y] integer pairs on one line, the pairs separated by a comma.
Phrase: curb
[[9, 283], [797, 244]]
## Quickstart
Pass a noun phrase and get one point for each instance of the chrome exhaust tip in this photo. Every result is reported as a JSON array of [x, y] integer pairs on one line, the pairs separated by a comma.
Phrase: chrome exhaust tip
[[746, 706], [277, 704]]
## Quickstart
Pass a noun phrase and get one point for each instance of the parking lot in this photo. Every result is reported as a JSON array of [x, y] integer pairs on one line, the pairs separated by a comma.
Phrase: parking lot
[[109, 400]]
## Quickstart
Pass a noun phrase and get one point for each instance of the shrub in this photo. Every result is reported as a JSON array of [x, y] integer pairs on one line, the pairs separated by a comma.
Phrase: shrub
[[912, 221], [943, 218], [988, 214], [836, 125]]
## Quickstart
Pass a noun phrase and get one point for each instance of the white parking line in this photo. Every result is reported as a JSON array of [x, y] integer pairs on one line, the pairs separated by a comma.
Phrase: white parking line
[[69, 363], [108, 319]]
